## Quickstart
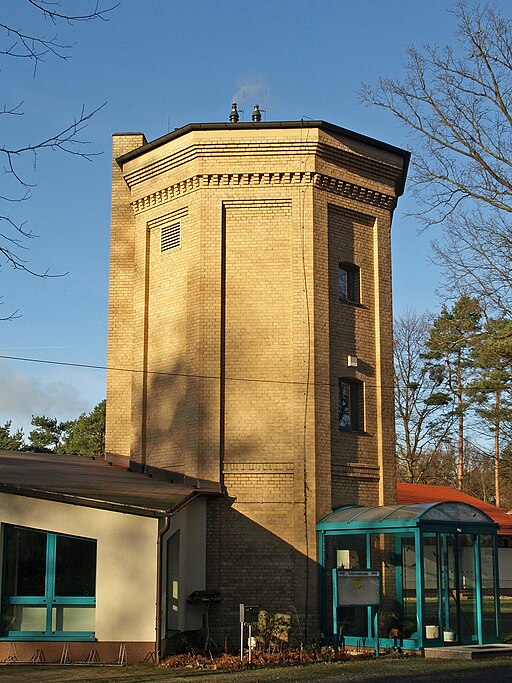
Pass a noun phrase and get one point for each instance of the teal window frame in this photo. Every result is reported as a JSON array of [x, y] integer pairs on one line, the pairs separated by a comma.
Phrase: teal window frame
[[49, 600], [417, 521]]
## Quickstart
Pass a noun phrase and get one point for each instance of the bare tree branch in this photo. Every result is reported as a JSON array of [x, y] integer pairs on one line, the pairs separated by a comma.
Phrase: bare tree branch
[[34, 45], [28, 45], [424, 414], [476, 258], [48, 7], [457, 105]]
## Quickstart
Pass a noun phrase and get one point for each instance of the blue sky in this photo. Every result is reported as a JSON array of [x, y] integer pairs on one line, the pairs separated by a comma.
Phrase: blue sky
[[159, 65]]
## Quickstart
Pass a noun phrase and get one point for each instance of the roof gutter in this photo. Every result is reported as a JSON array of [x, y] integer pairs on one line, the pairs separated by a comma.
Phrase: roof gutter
[[86, 502]]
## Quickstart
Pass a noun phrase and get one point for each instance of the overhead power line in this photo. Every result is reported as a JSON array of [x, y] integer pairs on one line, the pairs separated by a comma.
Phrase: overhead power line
[[188, 375]]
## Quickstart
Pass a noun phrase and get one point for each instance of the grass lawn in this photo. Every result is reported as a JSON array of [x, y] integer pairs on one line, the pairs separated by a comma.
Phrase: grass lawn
[[382, 670]]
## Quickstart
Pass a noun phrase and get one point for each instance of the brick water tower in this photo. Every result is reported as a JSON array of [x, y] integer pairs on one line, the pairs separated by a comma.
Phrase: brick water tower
[[250, 336]]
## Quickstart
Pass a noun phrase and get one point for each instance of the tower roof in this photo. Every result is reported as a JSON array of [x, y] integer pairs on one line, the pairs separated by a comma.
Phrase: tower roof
[[269, 125]]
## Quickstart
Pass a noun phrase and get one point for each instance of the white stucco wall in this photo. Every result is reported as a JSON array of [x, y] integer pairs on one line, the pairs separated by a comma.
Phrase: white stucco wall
[[191, 523], [505, 566], [126, 561]]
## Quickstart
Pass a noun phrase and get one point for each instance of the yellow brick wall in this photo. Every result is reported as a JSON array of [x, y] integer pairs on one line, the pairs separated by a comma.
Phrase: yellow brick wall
[[238, 338], [120, 321]]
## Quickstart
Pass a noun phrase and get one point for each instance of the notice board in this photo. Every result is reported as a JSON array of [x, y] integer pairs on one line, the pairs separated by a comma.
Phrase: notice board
[[358, 587]]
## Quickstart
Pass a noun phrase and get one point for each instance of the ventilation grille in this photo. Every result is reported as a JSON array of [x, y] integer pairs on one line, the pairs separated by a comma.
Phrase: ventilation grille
[[170, 237]]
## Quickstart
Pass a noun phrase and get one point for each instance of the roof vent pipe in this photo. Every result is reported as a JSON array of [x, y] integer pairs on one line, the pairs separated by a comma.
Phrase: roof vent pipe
[[234, 116], [256, 114]]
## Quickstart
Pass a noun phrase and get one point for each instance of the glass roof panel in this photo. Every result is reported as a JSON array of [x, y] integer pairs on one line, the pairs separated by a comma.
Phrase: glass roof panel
[[409, 511], [344, 514], [372, 514], [460, 512], [422, 512]]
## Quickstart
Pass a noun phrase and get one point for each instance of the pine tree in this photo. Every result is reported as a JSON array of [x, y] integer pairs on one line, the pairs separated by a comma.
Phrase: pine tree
[[86, 434], [450, 344], [491, 387], [11, 441]]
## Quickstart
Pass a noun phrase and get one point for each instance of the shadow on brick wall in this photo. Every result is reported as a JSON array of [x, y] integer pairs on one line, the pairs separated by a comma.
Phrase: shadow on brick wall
[[249, 564]]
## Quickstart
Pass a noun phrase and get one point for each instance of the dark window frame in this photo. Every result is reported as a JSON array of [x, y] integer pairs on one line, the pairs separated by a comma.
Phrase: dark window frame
[[349, 283], [350, 404]]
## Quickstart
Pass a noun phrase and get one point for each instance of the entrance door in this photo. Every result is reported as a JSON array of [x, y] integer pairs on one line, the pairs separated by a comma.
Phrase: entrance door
[[406, 585], [458, 589]]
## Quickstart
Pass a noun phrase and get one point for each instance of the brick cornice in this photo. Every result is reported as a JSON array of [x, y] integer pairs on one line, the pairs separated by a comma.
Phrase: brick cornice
[[369, 165], [224, 180]]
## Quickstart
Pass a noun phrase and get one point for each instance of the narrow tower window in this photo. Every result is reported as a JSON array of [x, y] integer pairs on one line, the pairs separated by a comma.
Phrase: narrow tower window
[[349, 283], [350, 404]]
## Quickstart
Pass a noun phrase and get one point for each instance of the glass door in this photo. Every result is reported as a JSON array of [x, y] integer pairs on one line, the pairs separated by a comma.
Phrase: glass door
[[406, 585], [458, 589], [468, 603], [449, 592]]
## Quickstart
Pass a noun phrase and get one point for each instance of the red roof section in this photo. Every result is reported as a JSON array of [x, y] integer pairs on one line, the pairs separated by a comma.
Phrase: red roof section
[[423, 493]]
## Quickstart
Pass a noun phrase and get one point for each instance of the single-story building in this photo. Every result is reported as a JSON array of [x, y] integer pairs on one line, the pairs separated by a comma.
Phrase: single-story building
[[85, 556]]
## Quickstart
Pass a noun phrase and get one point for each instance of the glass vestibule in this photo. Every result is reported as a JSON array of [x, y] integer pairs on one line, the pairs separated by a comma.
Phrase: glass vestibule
[[438, 566]]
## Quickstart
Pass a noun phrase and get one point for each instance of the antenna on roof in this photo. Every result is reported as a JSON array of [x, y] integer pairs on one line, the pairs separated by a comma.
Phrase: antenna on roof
[[243, 104]]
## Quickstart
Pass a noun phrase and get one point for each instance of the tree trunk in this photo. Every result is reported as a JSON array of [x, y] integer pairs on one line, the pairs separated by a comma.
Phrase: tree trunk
[[460, 406], [497, 450]]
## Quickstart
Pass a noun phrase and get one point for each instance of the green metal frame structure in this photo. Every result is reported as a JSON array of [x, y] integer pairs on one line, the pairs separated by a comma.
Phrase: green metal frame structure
[[452, 541]]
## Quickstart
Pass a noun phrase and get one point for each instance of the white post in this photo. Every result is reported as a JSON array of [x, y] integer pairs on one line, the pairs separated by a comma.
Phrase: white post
[[241, 641], [250, 641]]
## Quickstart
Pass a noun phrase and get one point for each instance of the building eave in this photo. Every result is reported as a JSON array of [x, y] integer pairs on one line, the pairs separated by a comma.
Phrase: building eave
[[269, 125]]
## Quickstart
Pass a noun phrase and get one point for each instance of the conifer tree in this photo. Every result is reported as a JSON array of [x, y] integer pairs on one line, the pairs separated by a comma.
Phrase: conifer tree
[[452, 336], [11, 441], [491, 388]]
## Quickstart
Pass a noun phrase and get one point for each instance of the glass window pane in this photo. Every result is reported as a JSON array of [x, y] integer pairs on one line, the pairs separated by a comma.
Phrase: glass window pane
[[487, 568], [23, 618], [343, 514], [351, 404], [348, 283], [343, 283], [344, 405], [467, 587], [73, 618], [349, 552], [75, 567], [409, 603], [372, 514], [431, 559], [408, 511], [25, 566], [384, 558]]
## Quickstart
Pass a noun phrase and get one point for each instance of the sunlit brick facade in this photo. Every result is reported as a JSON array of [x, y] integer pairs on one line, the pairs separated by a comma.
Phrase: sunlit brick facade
[[250, 290]]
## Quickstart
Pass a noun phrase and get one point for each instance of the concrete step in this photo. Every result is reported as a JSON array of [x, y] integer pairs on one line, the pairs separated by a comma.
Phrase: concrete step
[[469, 651]]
